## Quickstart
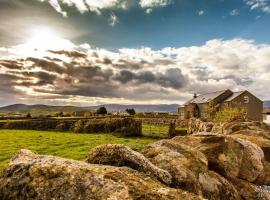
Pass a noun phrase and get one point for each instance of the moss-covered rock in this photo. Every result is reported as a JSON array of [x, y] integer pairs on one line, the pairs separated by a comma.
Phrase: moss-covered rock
[[121, 155], [32, 176], [231, 157], [214, 186], [189, 168]]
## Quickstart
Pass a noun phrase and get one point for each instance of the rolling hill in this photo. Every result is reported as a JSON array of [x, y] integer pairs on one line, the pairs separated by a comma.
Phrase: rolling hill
[[110, 107]]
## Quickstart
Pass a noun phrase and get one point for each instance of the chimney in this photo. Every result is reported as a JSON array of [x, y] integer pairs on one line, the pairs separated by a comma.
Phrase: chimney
[[195, 95]]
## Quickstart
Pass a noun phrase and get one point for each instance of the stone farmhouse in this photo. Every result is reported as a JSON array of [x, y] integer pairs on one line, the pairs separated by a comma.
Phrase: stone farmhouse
[[197, 107]]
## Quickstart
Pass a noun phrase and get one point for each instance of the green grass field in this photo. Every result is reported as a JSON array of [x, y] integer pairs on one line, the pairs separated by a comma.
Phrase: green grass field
[[66, 145], [157, 131]]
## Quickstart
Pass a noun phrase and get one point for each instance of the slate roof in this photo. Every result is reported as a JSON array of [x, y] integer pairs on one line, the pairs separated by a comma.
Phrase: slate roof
[[235, 94], [204, 98]]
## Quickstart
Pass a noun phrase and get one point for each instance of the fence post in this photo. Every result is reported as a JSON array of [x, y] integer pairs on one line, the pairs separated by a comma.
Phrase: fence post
[[171, 132]]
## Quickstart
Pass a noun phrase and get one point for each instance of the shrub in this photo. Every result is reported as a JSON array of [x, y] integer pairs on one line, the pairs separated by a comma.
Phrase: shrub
[[88, 114], [126, 126], [78, 126], [63, 126], [230, 113]]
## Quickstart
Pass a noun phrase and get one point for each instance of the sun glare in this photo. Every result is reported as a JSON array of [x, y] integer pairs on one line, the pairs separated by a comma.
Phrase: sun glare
[[43, 39]]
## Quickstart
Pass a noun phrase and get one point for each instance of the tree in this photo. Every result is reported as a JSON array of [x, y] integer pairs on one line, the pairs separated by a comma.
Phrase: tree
[[131, 111], [28, 115], [102, 111], [61, 114]]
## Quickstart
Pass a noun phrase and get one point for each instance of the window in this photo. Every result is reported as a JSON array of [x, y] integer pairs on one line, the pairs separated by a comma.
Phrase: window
[[246, 99]]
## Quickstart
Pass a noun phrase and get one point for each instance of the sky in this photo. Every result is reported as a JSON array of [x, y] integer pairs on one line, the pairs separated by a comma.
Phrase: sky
[[91, 52]]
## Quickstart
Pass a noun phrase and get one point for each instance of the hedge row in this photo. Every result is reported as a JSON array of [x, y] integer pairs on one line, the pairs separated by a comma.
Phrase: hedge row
[[125, 126]]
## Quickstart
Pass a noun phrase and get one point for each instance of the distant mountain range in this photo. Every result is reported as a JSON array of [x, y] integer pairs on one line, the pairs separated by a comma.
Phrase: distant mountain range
[[266, 104], [110, 107], [46, 109]]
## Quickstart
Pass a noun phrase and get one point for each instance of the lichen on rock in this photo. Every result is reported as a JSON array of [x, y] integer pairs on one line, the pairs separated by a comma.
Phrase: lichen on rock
[[37, 177], [122, 156]]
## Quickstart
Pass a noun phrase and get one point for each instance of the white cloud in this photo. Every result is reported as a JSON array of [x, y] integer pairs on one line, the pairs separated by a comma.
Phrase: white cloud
[[113, 20], [263, 5], [98, 5], [148, 10], [55, 4], [155, 3], [200, 12], [235, 12], [87, 5]]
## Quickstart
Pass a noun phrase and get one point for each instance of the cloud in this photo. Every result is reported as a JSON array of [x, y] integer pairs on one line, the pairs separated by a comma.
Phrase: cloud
[[263, 5], [113, 20], [135, 75], [171, 78], [97, 6], [235, 12], [148, 10], [155, 3], [201, 12], [55, 4], [86, 5]]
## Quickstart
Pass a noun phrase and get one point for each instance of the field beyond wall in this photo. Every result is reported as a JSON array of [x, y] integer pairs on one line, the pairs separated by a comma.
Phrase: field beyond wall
[[62, 144]]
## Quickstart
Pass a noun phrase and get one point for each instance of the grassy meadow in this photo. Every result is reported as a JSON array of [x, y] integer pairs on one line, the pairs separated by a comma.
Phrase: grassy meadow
[[157, 131], [62, 144]]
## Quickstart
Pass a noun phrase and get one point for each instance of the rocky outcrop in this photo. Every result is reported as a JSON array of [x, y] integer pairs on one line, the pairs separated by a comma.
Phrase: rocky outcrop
[[120, 155], [230, 157], [183, 162], [196, 125], [32, 176], [189, 169]]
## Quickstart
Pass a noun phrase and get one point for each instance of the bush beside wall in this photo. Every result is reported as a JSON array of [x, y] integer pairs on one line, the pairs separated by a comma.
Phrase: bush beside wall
[[125, 126]]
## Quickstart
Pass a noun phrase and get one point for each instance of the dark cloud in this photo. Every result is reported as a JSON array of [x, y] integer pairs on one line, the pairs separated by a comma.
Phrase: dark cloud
[[10, 64], [172, 78], [72, 54], [125, 76], [136, 65], [49, 66], [126, 64]]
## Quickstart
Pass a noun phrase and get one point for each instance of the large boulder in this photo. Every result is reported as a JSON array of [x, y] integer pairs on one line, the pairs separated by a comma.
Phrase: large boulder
[[183, 162], [32, 176], [215, 187], [250, 191], [121, 155], [228, 156], [189, 169]]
